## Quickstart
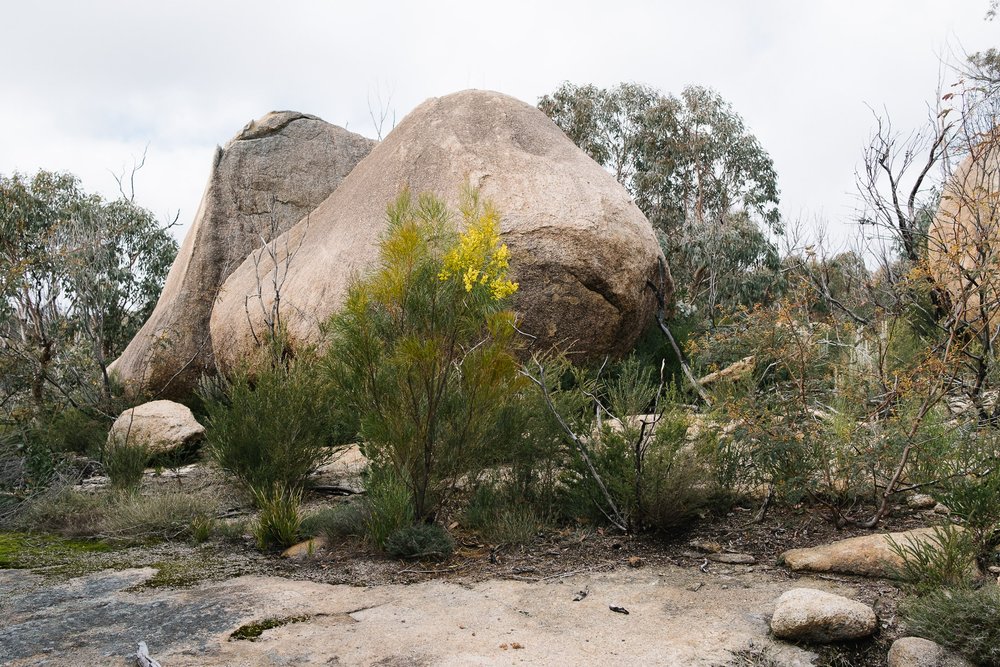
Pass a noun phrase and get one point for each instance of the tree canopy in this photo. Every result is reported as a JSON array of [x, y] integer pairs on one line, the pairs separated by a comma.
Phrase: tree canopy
[[78, 277], [696, 171]]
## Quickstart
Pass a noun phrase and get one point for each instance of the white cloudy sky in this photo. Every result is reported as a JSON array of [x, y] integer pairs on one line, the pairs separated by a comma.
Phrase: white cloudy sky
[[88, 85]]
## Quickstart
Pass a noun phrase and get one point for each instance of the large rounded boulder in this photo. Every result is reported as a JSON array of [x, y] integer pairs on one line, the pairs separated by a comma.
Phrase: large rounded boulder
[[581, 250], [963, 242], [265, 180]]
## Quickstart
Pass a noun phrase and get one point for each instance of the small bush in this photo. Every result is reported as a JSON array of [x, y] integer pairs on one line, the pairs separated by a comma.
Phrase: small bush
[[280, 521], [73, 430], [272, 427], [422, 541], [390, 505], [170, 516], [977, 503], [422, 349], [125, 464], [501, 518], [966, 620], [335, 523], [232, 530], [202, 528], [62, 511], [946, 559]]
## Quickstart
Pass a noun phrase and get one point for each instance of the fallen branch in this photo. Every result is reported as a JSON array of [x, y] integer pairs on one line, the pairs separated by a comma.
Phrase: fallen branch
[[734, 371], [143, 658], [615, 517], [661, 321]]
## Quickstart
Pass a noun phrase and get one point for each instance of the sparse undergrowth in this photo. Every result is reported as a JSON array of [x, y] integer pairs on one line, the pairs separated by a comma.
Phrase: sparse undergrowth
[[966, 620]]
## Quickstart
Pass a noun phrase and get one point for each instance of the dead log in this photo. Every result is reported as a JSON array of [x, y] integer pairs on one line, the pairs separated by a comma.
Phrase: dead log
[[143, 658]]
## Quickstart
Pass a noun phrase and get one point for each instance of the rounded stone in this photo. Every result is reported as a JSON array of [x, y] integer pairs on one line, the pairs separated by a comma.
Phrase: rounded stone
[[812, 615]]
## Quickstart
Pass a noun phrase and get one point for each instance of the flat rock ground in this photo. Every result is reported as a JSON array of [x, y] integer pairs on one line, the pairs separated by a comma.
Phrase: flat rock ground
[[487, 605], [677, 616]]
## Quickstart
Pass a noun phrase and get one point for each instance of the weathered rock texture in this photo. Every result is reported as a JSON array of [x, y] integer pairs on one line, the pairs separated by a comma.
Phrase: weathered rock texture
[[263, 181], [97, 619], [917, 652], [160, 426], [817, 616], [962, 239], [868, 555], [580, 248]]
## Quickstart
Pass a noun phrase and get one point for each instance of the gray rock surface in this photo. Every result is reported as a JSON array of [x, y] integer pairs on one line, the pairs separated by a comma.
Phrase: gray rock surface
[[580, 248], [917, 652], [160, 426], [98, 619], [266, 179], [812, 615]]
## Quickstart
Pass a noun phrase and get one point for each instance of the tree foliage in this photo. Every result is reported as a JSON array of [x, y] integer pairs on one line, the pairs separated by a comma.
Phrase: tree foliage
[[78, 277], [422, 349], [698, 174]]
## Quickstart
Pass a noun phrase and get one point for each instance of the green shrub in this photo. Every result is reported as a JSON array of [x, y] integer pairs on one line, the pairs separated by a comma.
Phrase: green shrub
[[422, 348], [273, 425], [420, 542], [389, 504], [335, 523], [652, 480], [499, 516], [279, 523], [73, 430], [202, 528], [966, 620], [124, 464], [232, 530], [529, 469], [976, 502], [945, 560]]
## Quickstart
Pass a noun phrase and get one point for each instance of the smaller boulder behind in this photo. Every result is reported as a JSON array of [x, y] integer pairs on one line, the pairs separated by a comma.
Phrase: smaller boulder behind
[[160, 426], [917, 652]]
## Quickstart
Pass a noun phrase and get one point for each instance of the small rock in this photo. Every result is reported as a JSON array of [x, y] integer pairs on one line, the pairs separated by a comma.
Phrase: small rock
[[917, 652], [941, 508], [733, 559], [304, 549], [812, 615], [920, 501], [705, 546], [635, 561]]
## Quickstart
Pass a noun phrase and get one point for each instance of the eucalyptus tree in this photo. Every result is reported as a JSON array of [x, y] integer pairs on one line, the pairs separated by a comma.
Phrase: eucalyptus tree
[[696, 171], [78, 277]]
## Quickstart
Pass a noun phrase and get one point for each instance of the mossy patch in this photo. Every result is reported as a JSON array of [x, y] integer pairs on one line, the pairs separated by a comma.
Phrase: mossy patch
[[31, 550], [252, 631], [182, 571]]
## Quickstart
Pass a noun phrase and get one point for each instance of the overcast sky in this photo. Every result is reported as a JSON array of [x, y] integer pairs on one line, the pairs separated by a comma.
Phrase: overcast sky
[[88, 85]]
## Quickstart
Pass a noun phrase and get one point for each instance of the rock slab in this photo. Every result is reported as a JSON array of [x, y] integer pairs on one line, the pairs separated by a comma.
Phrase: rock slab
[[266, 179], [160, 426], [917, 652], [868, 555], [581, 250], [812, 615]]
